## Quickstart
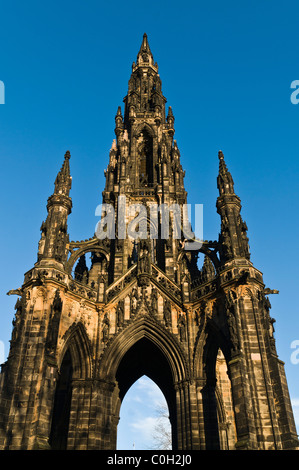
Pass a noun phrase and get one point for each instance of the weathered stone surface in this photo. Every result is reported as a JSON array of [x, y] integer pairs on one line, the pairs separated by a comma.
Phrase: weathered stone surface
[[84, 333]]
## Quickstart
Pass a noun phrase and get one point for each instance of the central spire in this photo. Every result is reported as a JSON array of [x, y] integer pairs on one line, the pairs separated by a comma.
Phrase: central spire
[[145, 56], [144, 98], [144, 161]]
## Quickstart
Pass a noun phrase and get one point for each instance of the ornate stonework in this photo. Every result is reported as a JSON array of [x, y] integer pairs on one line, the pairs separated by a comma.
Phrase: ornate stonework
[[93, 316]]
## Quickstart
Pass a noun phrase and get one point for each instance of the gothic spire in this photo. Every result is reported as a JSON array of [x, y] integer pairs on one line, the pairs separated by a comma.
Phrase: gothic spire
[[54, 236], [145, 56], [144, 160], [144, 93], [225, 181], [233, 236], [63, 182]]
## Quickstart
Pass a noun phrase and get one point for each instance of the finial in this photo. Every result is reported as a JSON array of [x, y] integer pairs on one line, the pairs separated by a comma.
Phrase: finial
[[144, 55], [170, 116], [63, 180], [222, 165], [224, 181]]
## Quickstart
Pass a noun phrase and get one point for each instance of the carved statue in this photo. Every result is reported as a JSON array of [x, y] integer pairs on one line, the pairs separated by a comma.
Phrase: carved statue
[[106, 328], [154, 301], [182, 328], [17, 321], [120, 313], [167, 312], [231, 320], [144, 257], [133, 300], [53, 326]]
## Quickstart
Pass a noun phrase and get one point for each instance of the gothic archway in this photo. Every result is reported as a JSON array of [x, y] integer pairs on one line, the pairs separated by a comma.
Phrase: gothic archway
[[218, 409], [80, 249], [144, 358], [74, 364], [77, 343], [62, 405], [144, 348], [144, 418]]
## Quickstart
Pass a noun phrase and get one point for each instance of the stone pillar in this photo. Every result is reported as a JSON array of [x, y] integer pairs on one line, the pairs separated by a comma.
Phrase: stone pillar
[[23, 373], [102, 416], [210, 415], [263, 400], [200, 383], [184, 428], [242, 403], [45, 408], [194, 417], [79, 415]]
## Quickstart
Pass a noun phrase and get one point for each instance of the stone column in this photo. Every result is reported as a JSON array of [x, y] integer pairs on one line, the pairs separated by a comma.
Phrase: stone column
[[242, 404], [79, 415], [200, 383], [184, 426]]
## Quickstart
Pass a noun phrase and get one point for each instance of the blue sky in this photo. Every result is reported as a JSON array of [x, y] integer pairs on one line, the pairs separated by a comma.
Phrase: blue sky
[[139, 417], [226, 70]]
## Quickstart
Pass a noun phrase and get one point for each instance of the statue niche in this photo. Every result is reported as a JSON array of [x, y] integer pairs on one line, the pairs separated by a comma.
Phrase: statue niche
[[145, 158]]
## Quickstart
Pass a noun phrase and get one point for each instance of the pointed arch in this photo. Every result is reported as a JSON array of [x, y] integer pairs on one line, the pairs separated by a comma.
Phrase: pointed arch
[[146, 348], [144, 126], [84, 250], [214, 340], [144, 144], [145, 328], [209, 340], [77, 343], [217, 401], [61, 405], [74, 362]]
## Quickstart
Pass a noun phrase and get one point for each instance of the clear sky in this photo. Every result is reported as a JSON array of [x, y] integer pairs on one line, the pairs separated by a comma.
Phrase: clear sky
[[226, 70]]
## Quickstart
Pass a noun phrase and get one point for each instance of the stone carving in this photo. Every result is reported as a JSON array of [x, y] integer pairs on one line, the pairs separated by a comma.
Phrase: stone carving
[[200, 316], [53, 326], [144, 261], [120, 313], [154, 304], [167, 313], [17, 321], [105, 328], [268, 320], [231, 300], [182, 327], [134, 301], [148, 309]]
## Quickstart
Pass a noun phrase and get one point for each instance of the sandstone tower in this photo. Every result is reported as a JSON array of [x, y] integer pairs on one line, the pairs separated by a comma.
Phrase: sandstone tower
[[93, 316]]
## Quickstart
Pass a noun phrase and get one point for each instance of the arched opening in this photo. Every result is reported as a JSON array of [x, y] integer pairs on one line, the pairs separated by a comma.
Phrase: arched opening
[[144, 418], [62, 404], [90, 271], [146, 358], [89, 268], [219, 419], [225, 410], [145, 156]]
